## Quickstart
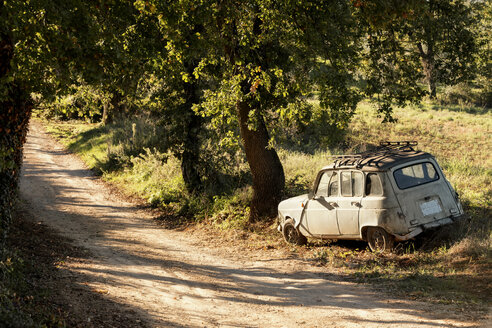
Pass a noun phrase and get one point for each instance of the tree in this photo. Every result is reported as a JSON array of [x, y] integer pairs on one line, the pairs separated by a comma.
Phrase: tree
[[442, 32], [483, 14], [36, 43], [266, 57], [172, 57], [256, 58]]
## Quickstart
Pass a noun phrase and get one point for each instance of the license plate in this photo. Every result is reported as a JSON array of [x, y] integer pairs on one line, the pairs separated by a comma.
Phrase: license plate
[[431, 207]]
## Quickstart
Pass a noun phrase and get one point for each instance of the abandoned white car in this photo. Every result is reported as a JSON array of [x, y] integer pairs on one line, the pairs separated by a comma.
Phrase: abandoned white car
[[391, 194]]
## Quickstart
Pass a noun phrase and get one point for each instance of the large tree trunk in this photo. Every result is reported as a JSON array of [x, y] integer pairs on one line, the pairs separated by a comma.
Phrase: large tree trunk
[[190, 155], [15, 111], [429, 71], [107, 116], [266, 169], [427, 59]]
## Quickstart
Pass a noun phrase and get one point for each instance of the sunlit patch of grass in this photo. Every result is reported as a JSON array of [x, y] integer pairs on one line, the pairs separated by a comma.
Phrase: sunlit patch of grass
[[88, 140], [301, 169]]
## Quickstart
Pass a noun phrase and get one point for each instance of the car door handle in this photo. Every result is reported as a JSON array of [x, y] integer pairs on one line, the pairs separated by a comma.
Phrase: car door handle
[[356, 204]]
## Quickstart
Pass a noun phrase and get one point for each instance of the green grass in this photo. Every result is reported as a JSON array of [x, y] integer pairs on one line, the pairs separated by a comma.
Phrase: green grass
[[452, 266]]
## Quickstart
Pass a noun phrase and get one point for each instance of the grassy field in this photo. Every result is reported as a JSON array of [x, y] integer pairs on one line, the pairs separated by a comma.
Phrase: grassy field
[[450, 266]]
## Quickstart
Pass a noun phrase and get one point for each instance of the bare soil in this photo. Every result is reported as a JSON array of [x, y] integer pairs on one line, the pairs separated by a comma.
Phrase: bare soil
[[123, 270]]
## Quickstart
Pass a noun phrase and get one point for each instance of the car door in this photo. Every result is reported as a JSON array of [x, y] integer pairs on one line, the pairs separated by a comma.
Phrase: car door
[[320, 211], [349, 202]]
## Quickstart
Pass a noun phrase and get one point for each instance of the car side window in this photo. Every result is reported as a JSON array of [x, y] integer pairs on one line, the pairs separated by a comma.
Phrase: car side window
[[357, 183], [351, 183], [373, 185], [322, 189], [346, 183], [333, 188]]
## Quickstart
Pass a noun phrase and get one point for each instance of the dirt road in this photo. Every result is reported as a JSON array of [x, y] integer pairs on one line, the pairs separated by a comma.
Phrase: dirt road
[[166, 280]]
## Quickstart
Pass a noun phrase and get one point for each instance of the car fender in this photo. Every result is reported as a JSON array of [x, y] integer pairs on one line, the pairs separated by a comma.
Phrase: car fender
[[297, 223], [297, 218], [388, 219], [293, 208]]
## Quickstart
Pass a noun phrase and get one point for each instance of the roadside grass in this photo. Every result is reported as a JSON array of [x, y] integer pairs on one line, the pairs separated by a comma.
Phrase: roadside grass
[[452, 265], [15, 301]]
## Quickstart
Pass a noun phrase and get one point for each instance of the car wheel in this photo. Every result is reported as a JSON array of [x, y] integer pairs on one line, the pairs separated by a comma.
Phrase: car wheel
[[292, 234], [379, 240]]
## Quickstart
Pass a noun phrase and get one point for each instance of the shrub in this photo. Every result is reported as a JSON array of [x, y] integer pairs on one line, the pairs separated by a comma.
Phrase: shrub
[[85, 102], [466, 95]]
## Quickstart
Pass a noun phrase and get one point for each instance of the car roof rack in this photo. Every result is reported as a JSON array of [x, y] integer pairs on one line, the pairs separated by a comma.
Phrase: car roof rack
[[371, 157], [398, 145], [347, 160]]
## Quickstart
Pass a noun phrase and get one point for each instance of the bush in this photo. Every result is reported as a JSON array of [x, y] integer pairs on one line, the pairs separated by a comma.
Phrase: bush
[[85, 102], [467, 95]]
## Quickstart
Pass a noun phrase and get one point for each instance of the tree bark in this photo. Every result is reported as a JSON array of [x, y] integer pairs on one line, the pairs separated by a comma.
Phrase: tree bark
[[264, 163], [107, 116], [190, 155], [15, 111], [111, 107], [427, 59]]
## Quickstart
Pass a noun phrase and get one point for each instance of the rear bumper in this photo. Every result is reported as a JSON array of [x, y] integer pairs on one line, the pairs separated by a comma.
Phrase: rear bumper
[[417, 231], [431, 225]]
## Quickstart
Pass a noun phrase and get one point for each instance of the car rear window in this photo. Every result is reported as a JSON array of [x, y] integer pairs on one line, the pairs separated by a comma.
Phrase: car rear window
[[415, 175]]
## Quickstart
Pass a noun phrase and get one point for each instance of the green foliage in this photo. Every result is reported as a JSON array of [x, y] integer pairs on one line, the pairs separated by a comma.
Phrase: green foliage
[[466, 95], [307, 128], [159, 176], [84, 102], [483, 13], [14, 119]]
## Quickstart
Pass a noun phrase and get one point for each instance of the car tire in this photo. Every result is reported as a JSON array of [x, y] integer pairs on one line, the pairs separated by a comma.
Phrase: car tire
[[292, 235], [379, 240]]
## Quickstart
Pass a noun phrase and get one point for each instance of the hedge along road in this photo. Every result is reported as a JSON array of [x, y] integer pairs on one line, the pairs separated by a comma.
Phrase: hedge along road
[[161, 278]]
